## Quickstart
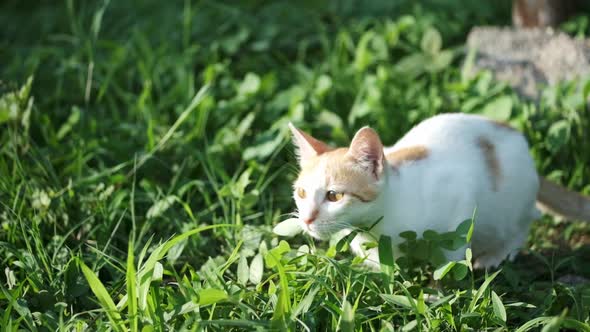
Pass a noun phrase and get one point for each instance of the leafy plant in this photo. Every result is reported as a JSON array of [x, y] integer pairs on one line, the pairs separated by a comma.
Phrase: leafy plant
[[144, 167]]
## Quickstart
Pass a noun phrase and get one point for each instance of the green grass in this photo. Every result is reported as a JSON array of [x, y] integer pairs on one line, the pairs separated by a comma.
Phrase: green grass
[[146, 162]]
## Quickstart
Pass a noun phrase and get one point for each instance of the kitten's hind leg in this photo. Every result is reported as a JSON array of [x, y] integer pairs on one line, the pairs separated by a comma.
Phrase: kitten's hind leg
[[455, 255], [488, 261], [507, 251]]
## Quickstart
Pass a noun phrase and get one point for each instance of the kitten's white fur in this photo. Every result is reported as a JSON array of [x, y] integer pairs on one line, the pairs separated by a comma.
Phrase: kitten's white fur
[[442, 190], [456, 166]]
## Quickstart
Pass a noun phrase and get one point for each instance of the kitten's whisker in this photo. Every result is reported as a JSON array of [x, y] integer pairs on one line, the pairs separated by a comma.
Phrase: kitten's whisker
[[332, 226], [293, 214], [340, 223]]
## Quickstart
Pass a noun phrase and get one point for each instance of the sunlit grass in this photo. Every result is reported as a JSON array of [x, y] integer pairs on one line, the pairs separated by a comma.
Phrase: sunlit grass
[[146, 162]]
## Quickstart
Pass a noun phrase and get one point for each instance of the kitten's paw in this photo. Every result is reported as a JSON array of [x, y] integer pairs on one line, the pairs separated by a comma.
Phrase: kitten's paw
[[372, 264], [488, 261]]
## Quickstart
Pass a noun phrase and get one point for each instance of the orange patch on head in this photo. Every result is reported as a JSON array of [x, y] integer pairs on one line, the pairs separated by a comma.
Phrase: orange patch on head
[[309, 165], [343, 173], [491, 159], [403, 155]]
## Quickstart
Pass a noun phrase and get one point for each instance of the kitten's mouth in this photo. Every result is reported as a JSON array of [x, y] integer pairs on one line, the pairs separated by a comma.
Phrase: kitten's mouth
[[320, 231], [309, 229]]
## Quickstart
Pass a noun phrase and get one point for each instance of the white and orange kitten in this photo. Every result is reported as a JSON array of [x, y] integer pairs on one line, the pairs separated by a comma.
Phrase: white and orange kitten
[[432, 179]]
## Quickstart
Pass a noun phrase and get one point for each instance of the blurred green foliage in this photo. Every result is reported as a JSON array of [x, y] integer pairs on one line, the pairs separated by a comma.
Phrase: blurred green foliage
[[144, 119]]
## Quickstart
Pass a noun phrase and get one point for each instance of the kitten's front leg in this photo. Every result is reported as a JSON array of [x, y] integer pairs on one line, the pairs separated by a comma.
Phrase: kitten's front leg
[[371, 255]]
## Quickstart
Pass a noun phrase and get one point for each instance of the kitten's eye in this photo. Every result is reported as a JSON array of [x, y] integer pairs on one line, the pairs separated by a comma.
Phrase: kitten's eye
[[333, 196], [301, 193]]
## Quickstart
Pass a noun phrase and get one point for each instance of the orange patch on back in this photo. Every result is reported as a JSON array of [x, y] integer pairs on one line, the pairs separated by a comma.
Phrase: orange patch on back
[[491, 159], [501, 125], [404, 155]]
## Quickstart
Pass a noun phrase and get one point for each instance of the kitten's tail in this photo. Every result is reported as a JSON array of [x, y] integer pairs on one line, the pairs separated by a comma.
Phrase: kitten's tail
[[558, 201]]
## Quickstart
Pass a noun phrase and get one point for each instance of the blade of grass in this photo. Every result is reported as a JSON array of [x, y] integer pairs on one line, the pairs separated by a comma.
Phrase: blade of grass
[[131, 288], [201, 94], [481, 290], [103, 297], [146, 271]]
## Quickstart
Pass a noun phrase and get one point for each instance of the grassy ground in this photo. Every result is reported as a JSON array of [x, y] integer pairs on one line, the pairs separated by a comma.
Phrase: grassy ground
[[146, 160]]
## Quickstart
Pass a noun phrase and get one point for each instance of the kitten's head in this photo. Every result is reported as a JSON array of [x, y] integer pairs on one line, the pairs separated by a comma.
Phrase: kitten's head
[[337, 188]]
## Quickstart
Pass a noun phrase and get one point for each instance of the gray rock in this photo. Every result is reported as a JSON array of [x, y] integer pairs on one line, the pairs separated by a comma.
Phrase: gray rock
[[529, 59]]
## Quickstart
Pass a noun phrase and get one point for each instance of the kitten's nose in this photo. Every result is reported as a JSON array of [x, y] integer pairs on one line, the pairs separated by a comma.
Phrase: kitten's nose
[[311, 218]]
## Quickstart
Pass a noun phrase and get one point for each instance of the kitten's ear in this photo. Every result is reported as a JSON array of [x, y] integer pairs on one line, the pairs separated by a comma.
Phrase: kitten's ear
[[307, 146], [366, 148]]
